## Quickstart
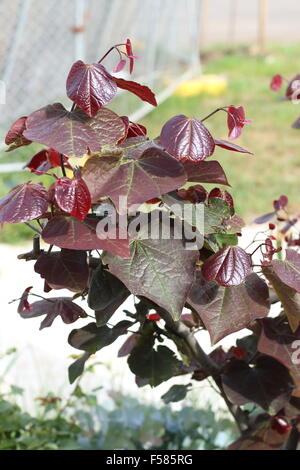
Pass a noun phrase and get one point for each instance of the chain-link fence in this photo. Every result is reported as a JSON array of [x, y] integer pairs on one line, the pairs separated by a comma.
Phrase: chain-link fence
[[39, 41]]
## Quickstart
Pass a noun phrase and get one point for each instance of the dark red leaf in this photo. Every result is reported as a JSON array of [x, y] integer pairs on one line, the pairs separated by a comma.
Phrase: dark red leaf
[[120, 65], [71, 133], [90, 86], [155, 268], [276, 82], [14, 137], [289, 269], [231, 146], [205, 172], [152, 174], [194, 194], [142, 91], [289, 297], [72, 233], [221, 194], [53, 307], [236, 121], [264, 218], [260, 436], [135, 129], [73, 196], [24, 202], [187, 139], [128, 346], [24, 304], [46, 159], [67, 269], [293, 89], [129, 53], [281, 203], [278, 340], [229, 266], [296, 124], [266, 383], [214, 304]]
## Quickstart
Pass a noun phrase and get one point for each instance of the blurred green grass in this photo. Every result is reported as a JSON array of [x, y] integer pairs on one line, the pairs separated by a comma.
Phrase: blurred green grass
[[256, 180]]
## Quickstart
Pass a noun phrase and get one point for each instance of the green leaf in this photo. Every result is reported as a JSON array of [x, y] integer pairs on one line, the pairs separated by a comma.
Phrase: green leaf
[[105, 289], [215, 216], [77, 367], [226, 239], [90, 338], [155, 365], [176, 393]]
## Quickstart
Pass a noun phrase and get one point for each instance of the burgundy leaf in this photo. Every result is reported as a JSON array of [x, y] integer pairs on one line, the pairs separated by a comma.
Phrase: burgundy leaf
[[14, 137], [56, 306], [231, 146], [296, 124], [225, 310], [205, 172], [159, 269], [264, 218], [266, 383], [281, 203], [289, 269], [229, 266], [289, 297], [142, 91], [67, 269], [135, 129], [46, 159], [236, 121], [221, 194], [152, 174], [128, 346], [276, 82], [24, 304], [71, 133], [193, 194], [277, 340], [130, 55], [72, 233], [293, 89], [90, 86], [73, 196], [120, 65], [260, 436], [187, 139], [27, 201]]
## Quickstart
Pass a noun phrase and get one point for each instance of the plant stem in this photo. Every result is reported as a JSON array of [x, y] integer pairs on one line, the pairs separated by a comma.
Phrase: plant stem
[[35, 229], [62, 164], [208, 364], [214, 112]]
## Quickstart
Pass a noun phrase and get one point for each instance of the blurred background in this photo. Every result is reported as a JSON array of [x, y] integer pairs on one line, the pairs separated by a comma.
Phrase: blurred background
[[196, 55]]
